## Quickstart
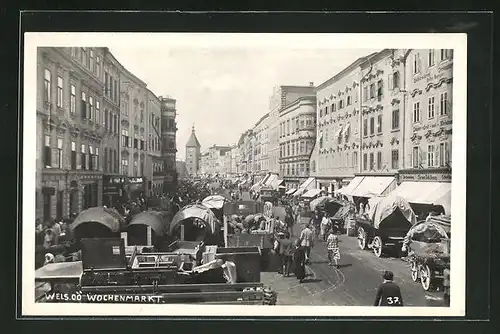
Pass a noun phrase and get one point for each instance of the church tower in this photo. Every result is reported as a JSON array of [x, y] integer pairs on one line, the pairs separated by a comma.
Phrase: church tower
[[193, 154]]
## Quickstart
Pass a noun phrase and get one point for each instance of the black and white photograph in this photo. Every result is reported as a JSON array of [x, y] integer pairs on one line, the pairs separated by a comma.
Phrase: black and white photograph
[[209, 173]]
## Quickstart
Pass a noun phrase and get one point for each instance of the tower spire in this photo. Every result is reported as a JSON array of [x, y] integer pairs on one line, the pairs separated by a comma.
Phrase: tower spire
[[192, 130]]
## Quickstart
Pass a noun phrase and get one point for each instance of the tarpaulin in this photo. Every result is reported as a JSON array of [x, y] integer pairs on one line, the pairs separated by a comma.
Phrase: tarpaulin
[[158, 222], [107, 217], [196, 211], [387, 205]]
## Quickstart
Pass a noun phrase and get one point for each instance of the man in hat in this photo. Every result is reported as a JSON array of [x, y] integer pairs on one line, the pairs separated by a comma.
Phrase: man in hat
[[388, 293]]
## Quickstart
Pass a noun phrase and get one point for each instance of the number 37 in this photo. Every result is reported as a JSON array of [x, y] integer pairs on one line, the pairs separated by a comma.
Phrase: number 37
[[393, 300]]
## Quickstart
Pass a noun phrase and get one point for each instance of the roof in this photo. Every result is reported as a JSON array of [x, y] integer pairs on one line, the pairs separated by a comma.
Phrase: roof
[[337, 76], [193, 141]]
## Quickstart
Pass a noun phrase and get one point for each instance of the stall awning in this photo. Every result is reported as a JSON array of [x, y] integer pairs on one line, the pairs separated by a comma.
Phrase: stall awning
[[311, 193], [347, 190], [276, 183], [290, 191], [433, 193], [271, 179], [375, 186], [305, 186]]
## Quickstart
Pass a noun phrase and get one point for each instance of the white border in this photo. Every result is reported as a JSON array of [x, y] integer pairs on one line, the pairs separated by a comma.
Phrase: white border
[[458, 42]]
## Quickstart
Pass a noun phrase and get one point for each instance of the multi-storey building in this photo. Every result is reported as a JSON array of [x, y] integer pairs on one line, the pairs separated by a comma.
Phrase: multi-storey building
[[260, 134], [204, 163], [297, 134], [242, 163], [133, 152], [193, 154], [217, 159], [168, 142], [425, 173], [181, 169], [233, 170], [155, 168], [335, 158], [281, 96], [69, 132]]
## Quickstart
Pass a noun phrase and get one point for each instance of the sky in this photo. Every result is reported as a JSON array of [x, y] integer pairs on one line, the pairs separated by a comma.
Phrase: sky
[[225, 91]]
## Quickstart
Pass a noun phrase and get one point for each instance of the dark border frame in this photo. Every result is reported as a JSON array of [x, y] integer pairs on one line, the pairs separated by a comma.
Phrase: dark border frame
[[478, 26]]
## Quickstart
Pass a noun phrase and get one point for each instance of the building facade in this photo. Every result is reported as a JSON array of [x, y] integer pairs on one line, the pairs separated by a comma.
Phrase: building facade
[[193, 154], [69, 132], [336, 155], [297, 134], [281, 97], [204, 161], [168, 142], [260, 138], [155, 168]]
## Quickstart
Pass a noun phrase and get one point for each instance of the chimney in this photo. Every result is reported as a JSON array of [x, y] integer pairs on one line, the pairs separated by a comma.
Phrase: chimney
[[311, 84]]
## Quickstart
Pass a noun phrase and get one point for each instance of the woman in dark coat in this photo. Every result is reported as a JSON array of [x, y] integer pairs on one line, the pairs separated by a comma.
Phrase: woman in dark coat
[[299, 259]]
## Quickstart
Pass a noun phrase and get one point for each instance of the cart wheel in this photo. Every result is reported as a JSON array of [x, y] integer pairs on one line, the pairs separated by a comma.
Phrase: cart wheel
[[426, 277], [414, 270], [377, 246], [361, 238]]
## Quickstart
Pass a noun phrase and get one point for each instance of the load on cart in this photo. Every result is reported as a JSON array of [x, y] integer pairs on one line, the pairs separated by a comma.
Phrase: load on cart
[[383, 229], [428, 245]]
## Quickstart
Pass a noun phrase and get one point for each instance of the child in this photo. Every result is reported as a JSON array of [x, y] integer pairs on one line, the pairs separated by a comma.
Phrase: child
[[333, 249]]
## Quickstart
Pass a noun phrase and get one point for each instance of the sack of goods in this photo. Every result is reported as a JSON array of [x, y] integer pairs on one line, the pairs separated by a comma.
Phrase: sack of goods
[[270, 296]]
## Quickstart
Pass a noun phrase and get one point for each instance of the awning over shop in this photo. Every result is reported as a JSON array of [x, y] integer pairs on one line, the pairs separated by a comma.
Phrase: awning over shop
[[347, 190], [271, 179], [276, 183], [433, 193], [290, 191], [375, 186], [311, 193], [305, 186]]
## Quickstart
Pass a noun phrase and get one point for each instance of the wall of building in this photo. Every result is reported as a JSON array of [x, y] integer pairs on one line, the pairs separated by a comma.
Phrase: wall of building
[[429, 81]]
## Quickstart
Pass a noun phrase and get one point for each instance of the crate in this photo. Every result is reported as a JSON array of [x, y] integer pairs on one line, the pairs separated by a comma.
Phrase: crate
[[246, 259]]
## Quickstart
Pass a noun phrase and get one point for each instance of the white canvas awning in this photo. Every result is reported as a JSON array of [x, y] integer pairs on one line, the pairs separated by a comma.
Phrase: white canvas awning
[[347, 190], [375, 186], [432, 193], [276, 183], [269, 181], [290, 191], [311, 193]]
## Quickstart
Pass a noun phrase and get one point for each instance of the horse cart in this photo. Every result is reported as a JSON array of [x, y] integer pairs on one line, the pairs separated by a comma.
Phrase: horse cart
[[428, 245], [383, 229]]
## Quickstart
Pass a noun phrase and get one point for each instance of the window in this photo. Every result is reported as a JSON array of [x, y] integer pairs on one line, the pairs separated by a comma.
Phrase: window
[[59, 153], [106, 84], [115, 117], [390, 81], [365, 93], [341, 104], [365, 127], [92, 60], [124, 166], [105, 121], [371, 161], [136, 145], [416, 112], [379, 124], [333, 107], [83, 159], [415, 157], [395, 159], [84, 105], [124, 138], [92, 112], [96, 159], [365, 161], [59, 92], [142, 116], [416, 63], [379, 160], [98, 112], [430, 107], [445, 54], [73, 155], [431, 162], [349, 100], [354, 159], [395, 80], [91, 158], [142, 143], [47, 154], [287, 127], [431, 58], [326, 111], [98, 66], [302, 147], [47, 85], [301, 124], [288, 149], [116, 91], [85, 57], [380, 90], [372, 125], [72, 100], [395, 119], [443, 104], [444, 154], [297, 124], [372, 91]]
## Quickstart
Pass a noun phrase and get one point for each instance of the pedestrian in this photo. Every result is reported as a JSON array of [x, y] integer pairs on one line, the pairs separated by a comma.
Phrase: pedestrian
[[446, 287], [388, 293], [306, 241], [286, 253], [299, 261], [325, 221], [361, 209], [332, 245]]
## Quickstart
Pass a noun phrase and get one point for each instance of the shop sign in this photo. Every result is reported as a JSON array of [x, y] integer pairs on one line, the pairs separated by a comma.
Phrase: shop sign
[[432, 125], [116, 180], [136, 180], [436, 177]]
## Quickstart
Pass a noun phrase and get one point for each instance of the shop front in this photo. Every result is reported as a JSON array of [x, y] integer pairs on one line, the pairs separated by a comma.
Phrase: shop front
[[135, 187], [330, 185], [112, 189], [427, 190]]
